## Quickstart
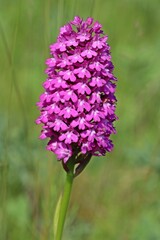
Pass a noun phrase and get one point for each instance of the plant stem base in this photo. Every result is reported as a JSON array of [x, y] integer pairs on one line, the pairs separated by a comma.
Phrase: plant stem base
[[64, 203]]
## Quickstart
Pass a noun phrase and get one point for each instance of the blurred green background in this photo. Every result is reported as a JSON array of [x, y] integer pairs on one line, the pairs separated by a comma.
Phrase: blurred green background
[[117, 197]]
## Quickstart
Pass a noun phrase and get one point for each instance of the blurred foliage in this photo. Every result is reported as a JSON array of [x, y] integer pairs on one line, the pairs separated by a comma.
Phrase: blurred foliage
[[117, 196]]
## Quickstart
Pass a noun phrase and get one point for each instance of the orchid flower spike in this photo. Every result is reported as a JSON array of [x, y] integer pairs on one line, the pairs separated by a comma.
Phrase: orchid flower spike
[[78, 105]]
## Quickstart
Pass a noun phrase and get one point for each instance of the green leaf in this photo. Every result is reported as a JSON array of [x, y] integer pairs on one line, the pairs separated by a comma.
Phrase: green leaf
[[56, 215]]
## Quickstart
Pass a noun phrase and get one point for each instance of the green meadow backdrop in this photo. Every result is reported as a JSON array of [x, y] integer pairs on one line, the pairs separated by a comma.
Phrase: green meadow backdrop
[[117, 197]]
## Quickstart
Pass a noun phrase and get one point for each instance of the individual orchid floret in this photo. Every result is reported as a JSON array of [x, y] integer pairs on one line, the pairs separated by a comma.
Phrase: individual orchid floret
[[78, 104]]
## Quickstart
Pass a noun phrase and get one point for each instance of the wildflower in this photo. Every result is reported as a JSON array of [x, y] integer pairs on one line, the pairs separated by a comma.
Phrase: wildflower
[[78, 105]]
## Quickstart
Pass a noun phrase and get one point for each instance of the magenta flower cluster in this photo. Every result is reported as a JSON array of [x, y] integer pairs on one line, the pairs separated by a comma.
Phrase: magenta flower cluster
[[78, 105]]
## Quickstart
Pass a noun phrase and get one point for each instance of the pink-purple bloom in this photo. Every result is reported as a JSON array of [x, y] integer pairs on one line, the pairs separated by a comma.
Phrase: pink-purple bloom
[[78, 105]]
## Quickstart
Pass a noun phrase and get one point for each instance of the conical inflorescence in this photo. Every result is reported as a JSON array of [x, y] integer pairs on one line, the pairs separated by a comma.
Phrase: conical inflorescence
[[78, 105]]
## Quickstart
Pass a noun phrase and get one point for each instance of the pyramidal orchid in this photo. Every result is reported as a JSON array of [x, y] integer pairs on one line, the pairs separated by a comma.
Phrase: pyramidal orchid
[[78, 104]]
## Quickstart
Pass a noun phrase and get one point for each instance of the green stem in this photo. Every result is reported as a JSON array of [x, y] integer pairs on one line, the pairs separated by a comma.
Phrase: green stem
[[64, 202]]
